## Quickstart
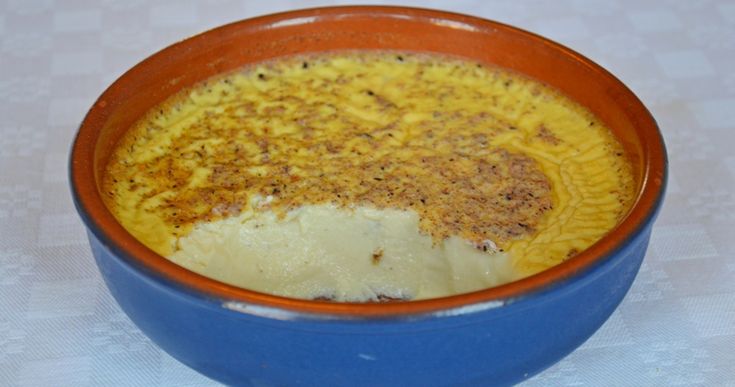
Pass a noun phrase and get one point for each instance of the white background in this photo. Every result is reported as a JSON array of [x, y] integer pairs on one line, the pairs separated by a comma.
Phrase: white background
[[60, 327]]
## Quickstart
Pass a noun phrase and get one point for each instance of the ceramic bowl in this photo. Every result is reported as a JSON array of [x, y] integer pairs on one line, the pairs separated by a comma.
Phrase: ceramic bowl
[[500, 335]]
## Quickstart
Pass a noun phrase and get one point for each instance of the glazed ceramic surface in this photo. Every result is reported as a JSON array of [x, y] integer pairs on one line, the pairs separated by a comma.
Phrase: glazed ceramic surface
[[495, 336]]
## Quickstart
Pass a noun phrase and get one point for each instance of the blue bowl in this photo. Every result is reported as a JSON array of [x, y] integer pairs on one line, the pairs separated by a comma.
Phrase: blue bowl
[[496, 336]]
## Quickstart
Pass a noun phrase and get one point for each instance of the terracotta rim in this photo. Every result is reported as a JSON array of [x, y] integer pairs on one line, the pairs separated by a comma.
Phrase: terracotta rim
[[105, 227]]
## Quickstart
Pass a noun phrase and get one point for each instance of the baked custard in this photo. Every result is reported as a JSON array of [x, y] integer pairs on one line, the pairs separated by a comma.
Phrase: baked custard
[[369, 175]]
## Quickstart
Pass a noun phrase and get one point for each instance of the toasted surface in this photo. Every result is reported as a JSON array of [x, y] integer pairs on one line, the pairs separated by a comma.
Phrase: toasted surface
[[478, 152]]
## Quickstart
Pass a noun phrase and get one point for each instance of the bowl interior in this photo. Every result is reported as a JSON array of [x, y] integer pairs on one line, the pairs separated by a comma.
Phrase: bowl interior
[[235, 45]]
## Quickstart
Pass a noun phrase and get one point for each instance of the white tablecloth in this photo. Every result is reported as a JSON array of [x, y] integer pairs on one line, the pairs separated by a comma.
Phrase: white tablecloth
[[59, 325]]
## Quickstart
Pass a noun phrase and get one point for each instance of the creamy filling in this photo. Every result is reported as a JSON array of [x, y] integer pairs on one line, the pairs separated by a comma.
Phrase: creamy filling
[[473, 151], [326, 252]]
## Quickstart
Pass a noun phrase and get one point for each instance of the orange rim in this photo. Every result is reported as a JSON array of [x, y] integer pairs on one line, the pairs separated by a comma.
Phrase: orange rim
[[85, 160]]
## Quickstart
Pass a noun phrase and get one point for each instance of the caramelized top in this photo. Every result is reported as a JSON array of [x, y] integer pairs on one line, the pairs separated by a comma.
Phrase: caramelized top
[[476, 151]]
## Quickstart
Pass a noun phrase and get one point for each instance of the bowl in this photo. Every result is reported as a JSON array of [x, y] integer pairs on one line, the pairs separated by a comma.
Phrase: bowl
[[500, 335]]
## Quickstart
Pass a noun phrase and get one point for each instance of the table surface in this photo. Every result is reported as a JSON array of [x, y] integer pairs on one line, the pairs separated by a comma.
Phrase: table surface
[[59, 326]]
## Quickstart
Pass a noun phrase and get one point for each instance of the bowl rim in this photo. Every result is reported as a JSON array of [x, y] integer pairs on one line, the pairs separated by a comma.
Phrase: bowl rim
[[100, 221]]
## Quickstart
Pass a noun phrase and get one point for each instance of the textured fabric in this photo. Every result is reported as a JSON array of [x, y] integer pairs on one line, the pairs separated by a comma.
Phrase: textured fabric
[[59, 325]]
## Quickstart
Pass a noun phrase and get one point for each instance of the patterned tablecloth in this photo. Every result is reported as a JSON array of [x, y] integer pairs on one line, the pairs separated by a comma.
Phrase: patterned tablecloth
[[59, 325]]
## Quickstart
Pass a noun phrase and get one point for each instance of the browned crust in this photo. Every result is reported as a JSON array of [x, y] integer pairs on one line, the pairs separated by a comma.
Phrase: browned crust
[[454, 180]]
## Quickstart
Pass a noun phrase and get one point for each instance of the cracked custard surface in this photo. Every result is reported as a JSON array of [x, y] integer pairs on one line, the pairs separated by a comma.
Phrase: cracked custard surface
[[466, 152]]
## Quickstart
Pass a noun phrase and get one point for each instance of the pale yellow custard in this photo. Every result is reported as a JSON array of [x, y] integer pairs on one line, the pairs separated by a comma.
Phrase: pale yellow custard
[[369, 175]]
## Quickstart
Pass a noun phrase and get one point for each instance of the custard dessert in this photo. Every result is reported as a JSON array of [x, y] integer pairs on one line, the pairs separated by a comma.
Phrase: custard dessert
[[369, 175]]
